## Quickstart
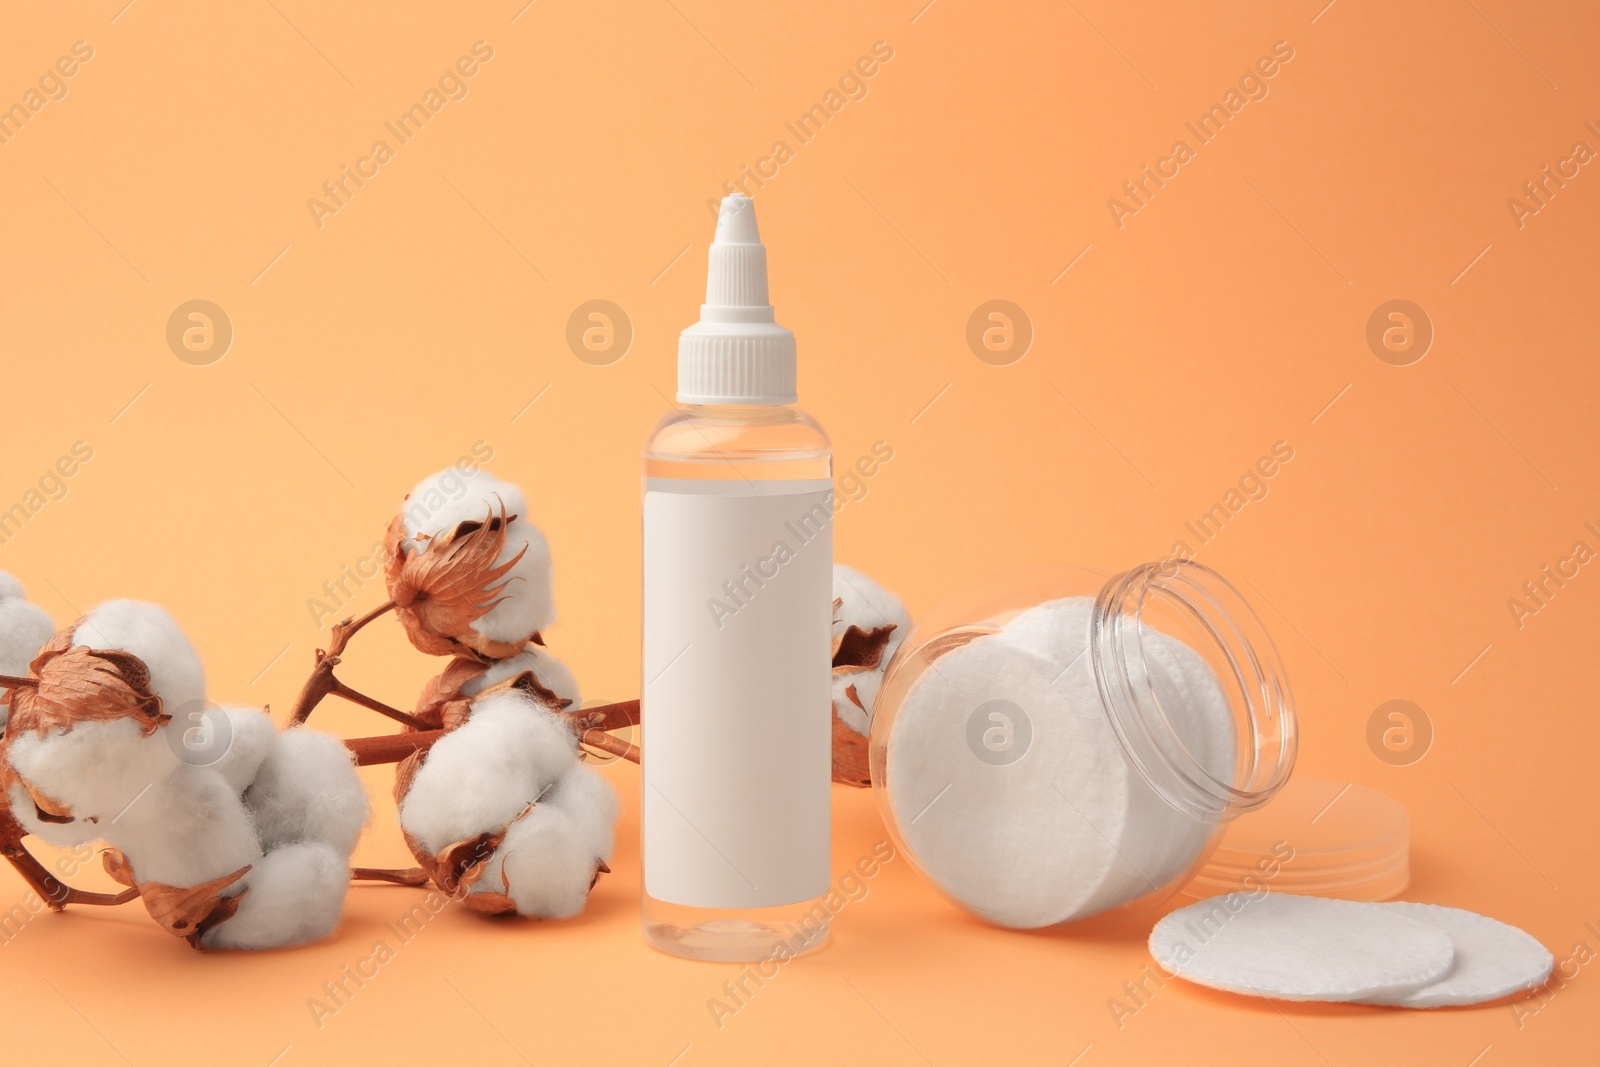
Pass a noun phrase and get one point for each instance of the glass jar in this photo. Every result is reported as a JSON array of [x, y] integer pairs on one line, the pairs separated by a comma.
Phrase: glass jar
[[1055, 747]]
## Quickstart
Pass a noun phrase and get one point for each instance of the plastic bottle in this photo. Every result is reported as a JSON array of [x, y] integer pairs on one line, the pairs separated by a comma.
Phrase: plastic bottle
[[738, 563]]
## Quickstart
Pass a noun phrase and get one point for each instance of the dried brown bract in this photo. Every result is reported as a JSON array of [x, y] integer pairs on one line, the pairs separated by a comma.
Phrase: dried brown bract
[[868, 625], [455, 579], [188, 912], [84, 685]]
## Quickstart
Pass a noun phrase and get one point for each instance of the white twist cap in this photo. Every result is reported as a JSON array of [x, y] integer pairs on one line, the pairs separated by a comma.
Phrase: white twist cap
[[736, 353]]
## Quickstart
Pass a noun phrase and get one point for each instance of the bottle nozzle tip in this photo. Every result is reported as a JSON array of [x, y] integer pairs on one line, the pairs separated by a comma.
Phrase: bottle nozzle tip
[[736, 222]]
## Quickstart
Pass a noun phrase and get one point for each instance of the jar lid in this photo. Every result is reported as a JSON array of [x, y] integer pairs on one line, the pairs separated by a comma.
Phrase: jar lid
[[1195, 604], [1318, 837]]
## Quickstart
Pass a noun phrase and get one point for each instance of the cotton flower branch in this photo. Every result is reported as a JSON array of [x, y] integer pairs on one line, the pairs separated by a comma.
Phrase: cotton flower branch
[[495, 803], [249, 848], [324, 683], [232, 833]]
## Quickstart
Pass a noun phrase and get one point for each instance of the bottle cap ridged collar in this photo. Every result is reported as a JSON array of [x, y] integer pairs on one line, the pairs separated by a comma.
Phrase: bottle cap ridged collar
[[737, 353]]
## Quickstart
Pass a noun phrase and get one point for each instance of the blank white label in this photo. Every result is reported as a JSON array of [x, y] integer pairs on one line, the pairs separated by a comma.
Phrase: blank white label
[[736, 731]]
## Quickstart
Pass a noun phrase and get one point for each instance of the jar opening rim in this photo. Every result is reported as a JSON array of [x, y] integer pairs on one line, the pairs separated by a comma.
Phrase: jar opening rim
[[1260, 698]]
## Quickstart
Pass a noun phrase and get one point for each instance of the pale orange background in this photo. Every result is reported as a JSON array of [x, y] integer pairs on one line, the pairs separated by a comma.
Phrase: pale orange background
[[1223, 317]]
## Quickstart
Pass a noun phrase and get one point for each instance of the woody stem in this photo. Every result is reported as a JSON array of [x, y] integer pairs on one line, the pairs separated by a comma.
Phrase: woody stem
[[54, 892], [11, 681], [614, 745], [342, 690], [615, 716], [322, 681], [398, 876], [392, 748]]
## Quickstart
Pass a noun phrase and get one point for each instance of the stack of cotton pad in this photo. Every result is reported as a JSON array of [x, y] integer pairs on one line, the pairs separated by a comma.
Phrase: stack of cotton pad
[[1312, 948], [1009, 786]]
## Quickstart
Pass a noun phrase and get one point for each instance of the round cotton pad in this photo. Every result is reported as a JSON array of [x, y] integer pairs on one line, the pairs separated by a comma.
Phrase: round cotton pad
[[1301, 948], [1005, 794], [1158, 842], [1010, 788], [1493, 960]]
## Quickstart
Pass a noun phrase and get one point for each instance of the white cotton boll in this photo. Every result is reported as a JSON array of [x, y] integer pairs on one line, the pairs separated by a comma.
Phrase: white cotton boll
[[147, 631], [245, 735], [24, 628], [551, 672], [866, 685], [585, 795], [480, 776], [444, 500], [544, 740], [10, 587], [96, 769], [466, 785], [527, 603], [307, 789], [186, 829], [63, 835], [295, 894], [543, 864], [866, 604]]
